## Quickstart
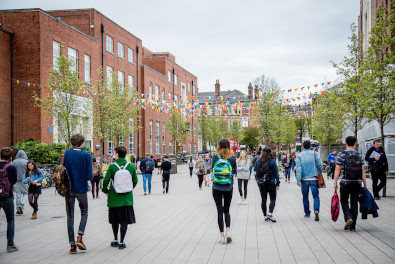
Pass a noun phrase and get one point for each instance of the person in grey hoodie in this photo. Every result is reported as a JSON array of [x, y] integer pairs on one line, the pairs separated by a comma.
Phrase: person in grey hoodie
[[20, 189], [243, 175]]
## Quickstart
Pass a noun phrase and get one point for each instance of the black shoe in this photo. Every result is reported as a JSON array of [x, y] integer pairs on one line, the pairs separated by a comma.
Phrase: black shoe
[[317, 216], [377, 198], [122, 245], [115, 243]]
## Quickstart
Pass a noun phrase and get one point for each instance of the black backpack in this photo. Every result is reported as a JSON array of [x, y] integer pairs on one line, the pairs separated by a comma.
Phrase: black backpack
[[263, 174], [352, 167], [149, 165]]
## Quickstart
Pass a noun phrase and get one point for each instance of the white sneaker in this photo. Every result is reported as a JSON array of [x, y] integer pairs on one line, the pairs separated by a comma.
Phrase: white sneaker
[[228, 237], [241, 201], [245, 202], [222, 240]]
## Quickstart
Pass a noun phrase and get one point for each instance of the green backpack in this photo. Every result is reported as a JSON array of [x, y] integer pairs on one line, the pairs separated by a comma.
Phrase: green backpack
[[222, 172]]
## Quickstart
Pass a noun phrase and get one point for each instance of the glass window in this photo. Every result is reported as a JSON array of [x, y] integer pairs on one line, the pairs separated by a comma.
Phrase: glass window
[[164, 138], [109, 44], [131, 82], [121, 79], [156, 93], [157, 135], [169, 76], [109, 72], [189, 88], [170, 147], [56, 54], [121, 141], [183, 90], [150, 137], [194, 130], [193, 90], [169, 99], [121, 53], [87, 67], [176, 79], [131, 136], [163, 94], [150, 91], [130, 55], [110, 147], [73, 58]]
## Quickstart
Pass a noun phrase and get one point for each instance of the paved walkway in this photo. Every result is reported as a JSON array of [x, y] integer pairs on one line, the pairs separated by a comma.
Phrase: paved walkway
[[181, 227]]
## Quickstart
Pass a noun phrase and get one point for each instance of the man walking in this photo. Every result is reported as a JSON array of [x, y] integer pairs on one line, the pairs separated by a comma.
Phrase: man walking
[[378, 167], [165, 168], [78, 164], [308, 165], [147, 166], [21, 189], [331, 160], [349, 165], [7, 198]]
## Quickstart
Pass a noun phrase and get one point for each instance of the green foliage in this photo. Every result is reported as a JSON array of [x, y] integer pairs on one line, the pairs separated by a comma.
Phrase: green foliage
[[288, 130], [250, 137], [204, 128], [235, 131], [41, 153], [178, 127]]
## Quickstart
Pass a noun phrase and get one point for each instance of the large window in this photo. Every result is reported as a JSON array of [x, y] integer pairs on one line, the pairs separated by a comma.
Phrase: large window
[[73, 58], [150, 137], [110, 147], [163, 94], [121, 141], [193, 90], [150, 91], [121, 79], [131, 136], [109, 44], [156, 93], [170, 147], [56, 54], [130, 55], [169, 76], [121, 52], [109, 72], [176, 79], [87, 68], [131, 83], [189, 88], [164, 138], [157, 135], [183, 90]]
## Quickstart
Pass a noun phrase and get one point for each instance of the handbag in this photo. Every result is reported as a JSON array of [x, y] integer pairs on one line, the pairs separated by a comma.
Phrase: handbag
[[335, 207], [196, 171], [321, 181]]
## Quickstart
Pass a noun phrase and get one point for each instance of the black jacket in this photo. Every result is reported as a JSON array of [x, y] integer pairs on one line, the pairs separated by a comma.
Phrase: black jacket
[[367, 204], [381, 164]]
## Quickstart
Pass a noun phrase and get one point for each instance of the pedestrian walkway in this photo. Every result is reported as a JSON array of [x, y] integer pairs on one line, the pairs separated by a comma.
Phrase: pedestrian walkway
[[181, 227]]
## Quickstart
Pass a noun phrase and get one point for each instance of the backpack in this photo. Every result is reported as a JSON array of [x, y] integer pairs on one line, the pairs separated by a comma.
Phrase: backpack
[[122, 181], [222, 172], [149, 165], [5, 185], [352, 167], [263, 174], [60, 177]]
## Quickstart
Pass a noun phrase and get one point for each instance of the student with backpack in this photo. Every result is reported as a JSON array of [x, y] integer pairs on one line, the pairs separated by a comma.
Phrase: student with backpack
[[147, 166], [33, 177], [165, 168], [123, 178], [350, 167], [200, 170], [268, 181], [8, 177], [224, 170]]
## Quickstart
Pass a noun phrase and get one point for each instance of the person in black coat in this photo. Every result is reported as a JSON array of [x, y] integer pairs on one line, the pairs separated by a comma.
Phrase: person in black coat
[[165, 168], [378, 167]]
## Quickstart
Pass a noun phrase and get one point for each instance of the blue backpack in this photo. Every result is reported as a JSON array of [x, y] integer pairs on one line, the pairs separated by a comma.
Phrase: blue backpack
[[222, 172]]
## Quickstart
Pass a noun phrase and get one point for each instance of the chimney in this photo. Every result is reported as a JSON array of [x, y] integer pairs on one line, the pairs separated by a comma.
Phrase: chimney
[[217, 88], [256, 92], [250, 92]]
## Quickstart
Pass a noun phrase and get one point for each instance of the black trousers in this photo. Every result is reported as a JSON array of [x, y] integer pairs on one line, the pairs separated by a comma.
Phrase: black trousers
[[332, 171], [200, 177], [265, 190], [165, 182], [376, 177], [240, 183], [223, 208], [350, 191], [190, 171]]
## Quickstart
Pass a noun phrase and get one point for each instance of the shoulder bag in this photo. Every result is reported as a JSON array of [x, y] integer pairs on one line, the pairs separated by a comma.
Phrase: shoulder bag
[[321, 181]]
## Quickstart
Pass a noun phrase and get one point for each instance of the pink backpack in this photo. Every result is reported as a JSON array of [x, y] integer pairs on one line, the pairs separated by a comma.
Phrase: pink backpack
[[335, 207]]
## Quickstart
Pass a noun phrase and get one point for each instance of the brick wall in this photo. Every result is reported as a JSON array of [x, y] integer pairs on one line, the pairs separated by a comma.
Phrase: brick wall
[[5, 90]]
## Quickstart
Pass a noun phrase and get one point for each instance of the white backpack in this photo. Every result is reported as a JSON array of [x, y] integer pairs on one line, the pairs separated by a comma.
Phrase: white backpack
[[122, 181]]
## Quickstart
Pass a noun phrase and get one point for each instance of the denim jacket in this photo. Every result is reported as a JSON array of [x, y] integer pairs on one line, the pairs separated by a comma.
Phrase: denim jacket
[[32, 177], [305, 165]]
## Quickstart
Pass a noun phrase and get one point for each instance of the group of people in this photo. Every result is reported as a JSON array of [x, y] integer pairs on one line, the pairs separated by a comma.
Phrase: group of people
[[220, 171]]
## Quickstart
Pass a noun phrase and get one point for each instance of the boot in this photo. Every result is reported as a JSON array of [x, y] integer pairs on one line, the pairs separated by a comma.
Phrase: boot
[[34, 215], [80, 244], [73, 249]]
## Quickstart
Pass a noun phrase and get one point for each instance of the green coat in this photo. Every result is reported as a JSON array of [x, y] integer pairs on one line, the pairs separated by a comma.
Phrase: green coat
[[118, 199]]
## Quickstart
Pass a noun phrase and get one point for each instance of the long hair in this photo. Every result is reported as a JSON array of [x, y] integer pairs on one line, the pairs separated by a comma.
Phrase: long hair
[[223, 149], [266, 155], [34, 170], [246, 158]]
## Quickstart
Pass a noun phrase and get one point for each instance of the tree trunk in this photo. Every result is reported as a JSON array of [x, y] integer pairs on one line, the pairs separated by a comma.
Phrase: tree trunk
[[356, 132]]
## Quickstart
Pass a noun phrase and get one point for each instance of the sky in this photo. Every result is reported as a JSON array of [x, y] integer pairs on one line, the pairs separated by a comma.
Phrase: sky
[[234, 41]]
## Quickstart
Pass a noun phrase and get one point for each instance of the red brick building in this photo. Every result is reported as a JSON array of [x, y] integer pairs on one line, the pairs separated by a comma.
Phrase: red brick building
[[91, 40]]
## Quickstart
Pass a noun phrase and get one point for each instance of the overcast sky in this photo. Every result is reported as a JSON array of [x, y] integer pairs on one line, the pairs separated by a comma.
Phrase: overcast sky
[[234, 41]]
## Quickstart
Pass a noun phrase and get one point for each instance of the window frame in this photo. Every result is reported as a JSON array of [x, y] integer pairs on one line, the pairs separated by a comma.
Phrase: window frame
[[55, 58], [85, 68], [120, 44], [70, 58], [109, 38], [131, 58]]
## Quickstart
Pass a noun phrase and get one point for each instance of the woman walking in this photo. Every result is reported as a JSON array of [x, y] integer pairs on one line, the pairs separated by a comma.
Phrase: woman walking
[[222, 177], [97, 175], [191, 165], [209, 164], [201, 170], [243, 175], [33, 177], [287, 164], [268, 181], [120, 205]]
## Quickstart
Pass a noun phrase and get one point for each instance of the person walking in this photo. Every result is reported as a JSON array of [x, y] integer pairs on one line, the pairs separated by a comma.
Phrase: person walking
[[166, 168], [268, 181], [224, 171], [8, 171], [78, 165], [120, 204], [191, 166], [97, 176], [308, 165], [208, 162], [349, 165], [201, 170], [20, 189], [287, 164], [33, 177], [378, 167], [332, 165], [147, 166], [243, 175]]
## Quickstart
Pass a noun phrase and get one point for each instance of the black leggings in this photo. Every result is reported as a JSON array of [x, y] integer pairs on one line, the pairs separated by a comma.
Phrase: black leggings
[[200, 177], [115, 228], [190, 171], [271, 189], [240, 183], [33, 204], [95, 182], [165, 183], [223, 209]]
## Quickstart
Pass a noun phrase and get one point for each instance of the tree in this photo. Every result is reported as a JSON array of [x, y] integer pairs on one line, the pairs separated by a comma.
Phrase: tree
[[379, 69], [218, 129], [203, 128], [250, 137], [178, 127], [328, 118], [235, 131], [63, 105], [350, 69], [303, 124], [289, 130]]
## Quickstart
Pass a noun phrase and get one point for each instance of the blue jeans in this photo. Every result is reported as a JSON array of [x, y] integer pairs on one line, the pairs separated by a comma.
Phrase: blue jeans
[[82, 199], [314, 190], [287, 173], [8, 207], [145, 178]]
